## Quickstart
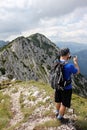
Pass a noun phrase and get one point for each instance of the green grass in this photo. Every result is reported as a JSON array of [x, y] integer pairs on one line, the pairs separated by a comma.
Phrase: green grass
[[80, 106], [48, 113], [5, 113], [47, 124], [42, 86], [27, 111], [15, 90], [31, 98]]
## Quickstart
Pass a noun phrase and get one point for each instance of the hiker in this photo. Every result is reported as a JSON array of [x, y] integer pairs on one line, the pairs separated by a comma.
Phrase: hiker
[[63, 97]]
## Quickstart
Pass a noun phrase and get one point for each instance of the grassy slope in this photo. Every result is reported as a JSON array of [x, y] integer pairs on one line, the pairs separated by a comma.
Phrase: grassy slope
[[5, 113], [78, 103], [80, 106]]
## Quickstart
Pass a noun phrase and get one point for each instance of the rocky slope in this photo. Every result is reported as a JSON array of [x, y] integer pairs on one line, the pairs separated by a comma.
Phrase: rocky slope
[[28, 58], [79, 85]]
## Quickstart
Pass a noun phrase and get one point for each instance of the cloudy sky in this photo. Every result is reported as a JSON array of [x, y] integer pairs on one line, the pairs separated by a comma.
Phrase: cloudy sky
[[59, 20]]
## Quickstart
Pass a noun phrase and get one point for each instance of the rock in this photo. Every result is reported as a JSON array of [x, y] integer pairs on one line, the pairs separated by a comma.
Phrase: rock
[[4, 78], [46, 99], [2, 101], [36, 93], [70, 110]]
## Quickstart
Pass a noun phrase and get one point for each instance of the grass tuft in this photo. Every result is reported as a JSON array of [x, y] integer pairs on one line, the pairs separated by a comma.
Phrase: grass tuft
[[5, 113], [48, 124], [80, 107]]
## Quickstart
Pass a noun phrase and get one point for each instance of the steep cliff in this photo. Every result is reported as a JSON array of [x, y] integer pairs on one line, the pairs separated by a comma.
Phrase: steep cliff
[[28, 58]]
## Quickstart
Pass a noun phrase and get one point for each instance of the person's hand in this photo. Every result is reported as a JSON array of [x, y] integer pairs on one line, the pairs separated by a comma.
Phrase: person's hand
[[75, 59]]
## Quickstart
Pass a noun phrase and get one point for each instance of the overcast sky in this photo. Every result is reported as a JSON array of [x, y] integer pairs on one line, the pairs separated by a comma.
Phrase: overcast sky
[[59, 20]]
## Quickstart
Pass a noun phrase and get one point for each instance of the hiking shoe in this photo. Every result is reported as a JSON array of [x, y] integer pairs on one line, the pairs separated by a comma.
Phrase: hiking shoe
[[64, 120], [56, 114]]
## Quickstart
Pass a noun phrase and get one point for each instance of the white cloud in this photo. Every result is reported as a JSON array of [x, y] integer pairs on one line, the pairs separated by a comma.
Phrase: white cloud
[[57, 19]]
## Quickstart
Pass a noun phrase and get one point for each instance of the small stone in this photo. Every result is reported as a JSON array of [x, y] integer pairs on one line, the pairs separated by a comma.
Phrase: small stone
[[70, 110]]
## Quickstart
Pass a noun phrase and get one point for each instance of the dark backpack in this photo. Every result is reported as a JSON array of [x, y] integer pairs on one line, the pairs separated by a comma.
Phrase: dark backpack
[[57, 80]]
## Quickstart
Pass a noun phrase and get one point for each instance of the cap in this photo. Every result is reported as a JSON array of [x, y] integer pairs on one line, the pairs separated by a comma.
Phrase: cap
[[64, 51]]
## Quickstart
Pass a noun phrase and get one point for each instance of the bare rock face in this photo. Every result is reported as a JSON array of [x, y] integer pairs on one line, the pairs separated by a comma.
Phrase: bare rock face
[[28, 58]]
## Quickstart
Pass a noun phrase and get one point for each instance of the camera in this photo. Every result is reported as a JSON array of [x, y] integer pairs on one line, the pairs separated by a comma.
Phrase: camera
[[74, 56], [71, 57]]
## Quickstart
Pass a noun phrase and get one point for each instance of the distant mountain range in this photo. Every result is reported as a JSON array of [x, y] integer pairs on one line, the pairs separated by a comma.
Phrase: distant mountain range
[[2, 43], [82, 60], [77, 49], [74, 47]]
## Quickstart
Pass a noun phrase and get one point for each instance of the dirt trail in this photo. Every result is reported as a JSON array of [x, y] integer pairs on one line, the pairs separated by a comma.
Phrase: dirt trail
[[37, 115], [29, 125], [18, 116], [15, 106]]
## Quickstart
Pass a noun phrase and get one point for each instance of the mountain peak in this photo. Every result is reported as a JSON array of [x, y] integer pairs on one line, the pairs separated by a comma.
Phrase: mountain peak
[[28, 58]]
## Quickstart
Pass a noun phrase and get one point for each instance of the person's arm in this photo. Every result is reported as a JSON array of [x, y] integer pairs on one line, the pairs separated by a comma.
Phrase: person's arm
[[75, 60]]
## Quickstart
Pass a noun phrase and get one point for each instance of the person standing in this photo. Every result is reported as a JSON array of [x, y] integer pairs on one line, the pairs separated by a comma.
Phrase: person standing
[[63, 97]]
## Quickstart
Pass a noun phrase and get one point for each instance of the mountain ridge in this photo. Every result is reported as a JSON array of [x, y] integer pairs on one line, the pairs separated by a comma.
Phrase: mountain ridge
[[31, 56], [74, 46]]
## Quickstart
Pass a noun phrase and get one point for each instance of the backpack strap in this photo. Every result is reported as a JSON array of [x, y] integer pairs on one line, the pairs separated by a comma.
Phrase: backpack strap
[[67, 82]]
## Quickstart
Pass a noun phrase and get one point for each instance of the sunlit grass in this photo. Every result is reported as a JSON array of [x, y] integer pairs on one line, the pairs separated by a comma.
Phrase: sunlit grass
[[27, 111], [43, 86], [5, 113], [15, 90], [80, 106], [79, 103], [31, 98], [47, 124]]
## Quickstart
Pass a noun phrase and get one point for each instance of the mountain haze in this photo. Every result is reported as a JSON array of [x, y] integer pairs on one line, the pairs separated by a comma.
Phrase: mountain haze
[[3, 43], [74, 46], [82, 59]]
